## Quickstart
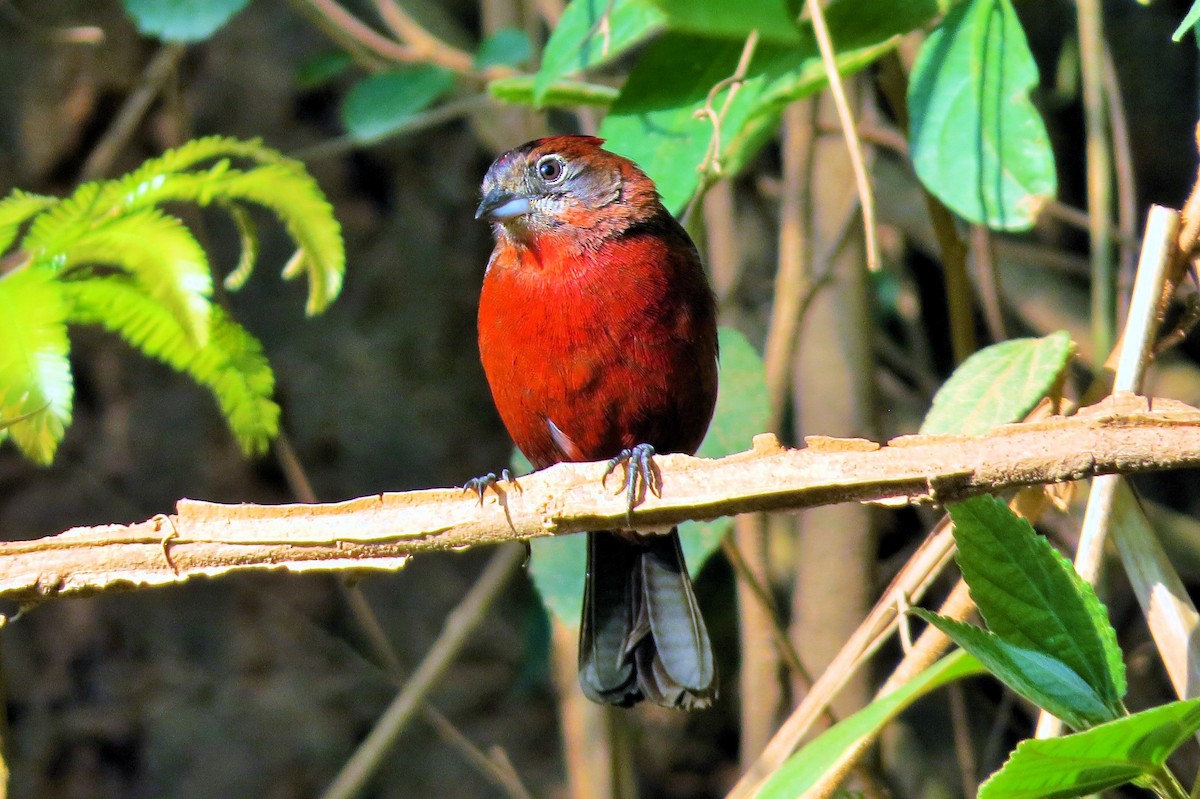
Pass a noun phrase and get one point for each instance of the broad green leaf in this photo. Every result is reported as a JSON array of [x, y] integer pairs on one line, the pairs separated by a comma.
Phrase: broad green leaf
[[999, 385], [1189, 21], [380, 104], [742, 412], [1031, 597], [557, 565], [162, 256], [518, 90], [775, 20], [230, 363], [654, 120], [1103, 757], [508, 47], [181, 20], [1045, 681], [977, 141], [320, 70], [15, 210], [804, 768], [590, 33], [35, 376]]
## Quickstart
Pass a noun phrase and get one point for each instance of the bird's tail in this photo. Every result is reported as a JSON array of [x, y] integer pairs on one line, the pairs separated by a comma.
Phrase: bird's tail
[[642, 635]]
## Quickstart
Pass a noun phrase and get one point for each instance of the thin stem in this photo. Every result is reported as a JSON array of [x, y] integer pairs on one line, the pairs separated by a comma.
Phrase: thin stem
[[464, 620], [132, 111], [866, 195], [1099, 173]]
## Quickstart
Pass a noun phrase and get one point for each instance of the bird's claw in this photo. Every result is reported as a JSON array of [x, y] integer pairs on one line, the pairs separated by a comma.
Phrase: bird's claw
[[638, 462], [480, 485]]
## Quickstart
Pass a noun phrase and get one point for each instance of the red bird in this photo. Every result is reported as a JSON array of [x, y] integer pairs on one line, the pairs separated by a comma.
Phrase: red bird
[[598, 334]]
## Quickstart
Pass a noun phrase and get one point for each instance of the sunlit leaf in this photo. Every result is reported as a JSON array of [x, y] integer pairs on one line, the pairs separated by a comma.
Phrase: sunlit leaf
[[1032, 598], [564, 93], [1043, 680], [1103, 757], [591, 33], [230, 363], [35, 376], [802, 770], [999, 385], [977, 141]]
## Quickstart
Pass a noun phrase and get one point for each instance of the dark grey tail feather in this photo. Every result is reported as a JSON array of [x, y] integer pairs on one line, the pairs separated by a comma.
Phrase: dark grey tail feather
[[642, 635]]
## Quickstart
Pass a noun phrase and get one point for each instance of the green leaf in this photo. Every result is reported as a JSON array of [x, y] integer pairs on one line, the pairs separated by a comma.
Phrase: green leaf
[[802, 770], [507, 47], [320, 70], [977, 141], [230, 363], [742, 412], [1031, 597], [1101, 758], [162, 256], [285, 188], [999, 385], [248, 232], [1189, 21], [1045, 681], [35, 376], [181, 20], [654, 120], [380, 104], [590, 33], [15, 210], [557, 566], [518, 90], [775, 20]]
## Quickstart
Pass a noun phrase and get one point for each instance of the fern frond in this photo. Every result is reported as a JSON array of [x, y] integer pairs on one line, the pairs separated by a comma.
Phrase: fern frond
[[230, 364], [36, 389], [15, 210], [284, 188], [55, 229], [248, 232], [163, 257]]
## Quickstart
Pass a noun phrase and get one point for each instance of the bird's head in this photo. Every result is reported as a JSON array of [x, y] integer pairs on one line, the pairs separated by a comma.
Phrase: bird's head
[[564, 184]]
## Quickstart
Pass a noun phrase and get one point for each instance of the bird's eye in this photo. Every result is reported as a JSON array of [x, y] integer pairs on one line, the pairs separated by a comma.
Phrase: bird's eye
[[551, 168]]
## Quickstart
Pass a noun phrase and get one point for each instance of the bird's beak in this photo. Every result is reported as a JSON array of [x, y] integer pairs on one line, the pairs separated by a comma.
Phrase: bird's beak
[[499, 206]]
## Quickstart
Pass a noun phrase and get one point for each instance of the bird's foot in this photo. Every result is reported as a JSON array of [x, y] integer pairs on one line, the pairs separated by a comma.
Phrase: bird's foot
[[638, 463], [480, 485]]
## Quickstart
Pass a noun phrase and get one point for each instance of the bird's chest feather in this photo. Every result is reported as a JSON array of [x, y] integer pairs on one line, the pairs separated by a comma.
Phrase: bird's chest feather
[[582, 352]]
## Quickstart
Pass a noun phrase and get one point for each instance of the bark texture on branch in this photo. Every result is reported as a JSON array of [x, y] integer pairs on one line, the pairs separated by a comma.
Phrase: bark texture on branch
[[1123, 434]]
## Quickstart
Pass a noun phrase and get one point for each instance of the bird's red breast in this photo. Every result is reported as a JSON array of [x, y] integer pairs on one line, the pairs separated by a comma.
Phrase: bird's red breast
[[597, 328]]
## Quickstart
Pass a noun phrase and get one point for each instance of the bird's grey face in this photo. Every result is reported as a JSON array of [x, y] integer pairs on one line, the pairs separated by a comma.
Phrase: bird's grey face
[[537, 187]]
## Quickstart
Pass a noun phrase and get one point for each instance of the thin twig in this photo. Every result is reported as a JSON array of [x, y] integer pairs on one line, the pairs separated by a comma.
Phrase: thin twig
[[498, 769], [154, 77], [408, 30], [1099, 174], [464, 620], [791, 273], [1126, 233], [711, 163], [866, 194]]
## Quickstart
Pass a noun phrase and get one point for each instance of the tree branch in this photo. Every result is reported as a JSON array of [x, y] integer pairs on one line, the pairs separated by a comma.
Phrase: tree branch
[[1123, 434]]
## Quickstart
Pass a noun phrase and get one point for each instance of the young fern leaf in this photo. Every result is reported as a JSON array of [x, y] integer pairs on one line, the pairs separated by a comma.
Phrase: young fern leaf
[[276, 182], [16, 209], [36, 390], [161, 255], [248, 232], [230, 363]]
